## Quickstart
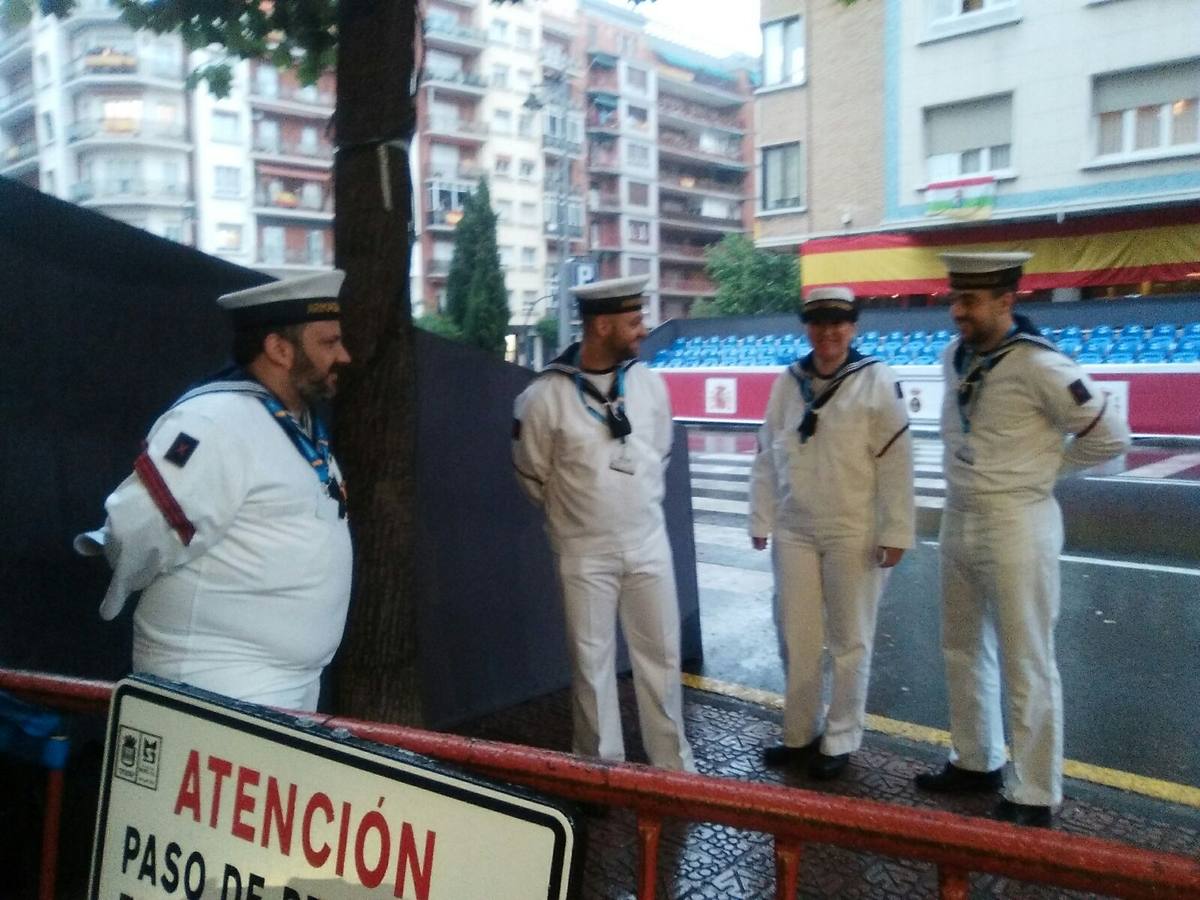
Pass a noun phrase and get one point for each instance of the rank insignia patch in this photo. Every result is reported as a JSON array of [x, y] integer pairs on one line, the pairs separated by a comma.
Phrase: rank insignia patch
[[181, 449], [1079, 392]]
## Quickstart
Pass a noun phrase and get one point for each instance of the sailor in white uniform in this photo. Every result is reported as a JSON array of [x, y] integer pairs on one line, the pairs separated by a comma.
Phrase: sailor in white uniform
[[833, 484], [233, 524], [1018, 415], [591, 441]]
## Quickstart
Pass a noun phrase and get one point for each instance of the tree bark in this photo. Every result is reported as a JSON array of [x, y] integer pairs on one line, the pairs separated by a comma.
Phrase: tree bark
[[377, 674]]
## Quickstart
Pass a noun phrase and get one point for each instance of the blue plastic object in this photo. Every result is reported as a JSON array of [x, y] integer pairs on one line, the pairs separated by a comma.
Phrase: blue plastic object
[[32, 733]]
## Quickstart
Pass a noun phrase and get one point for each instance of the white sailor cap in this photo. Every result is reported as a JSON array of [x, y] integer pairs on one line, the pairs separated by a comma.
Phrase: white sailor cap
[[310, 298], [980, 271], [613, 295], [829, 304]]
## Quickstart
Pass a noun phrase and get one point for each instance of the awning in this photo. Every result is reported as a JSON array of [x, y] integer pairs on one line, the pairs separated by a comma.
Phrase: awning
[[291, 172], [1125, 248]]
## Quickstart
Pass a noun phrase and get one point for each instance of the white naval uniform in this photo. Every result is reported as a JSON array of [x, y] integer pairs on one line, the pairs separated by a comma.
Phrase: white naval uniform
[[1001, 536], [830, 503], [254, 607], [607, 530]]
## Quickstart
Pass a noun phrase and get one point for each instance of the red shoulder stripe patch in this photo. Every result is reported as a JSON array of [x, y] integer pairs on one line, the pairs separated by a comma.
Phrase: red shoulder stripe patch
[[163, 498]]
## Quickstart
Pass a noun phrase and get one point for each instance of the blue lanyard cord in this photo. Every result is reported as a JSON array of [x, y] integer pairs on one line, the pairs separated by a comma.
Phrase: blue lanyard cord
[[614, 404], [970, 387], [315, 449]]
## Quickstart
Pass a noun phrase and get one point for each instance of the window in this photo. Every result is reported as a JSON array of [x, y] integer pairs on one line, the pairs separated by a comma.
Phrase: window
[[229, 237], [502, 121], [635, 78], [971, 138], [524, 38], [529, 214], [1147, 111], [637, 155], [268, 135], [639, 194], [528, 257], [783, 52], [503, 166], [639, 231], [500, 77], [637, 117], [628, 45], [316, 248], [524, 81], [948, 18], [506, 256], [525, 125], [266, 80], [47, 127], [225, 126], [527, 170], [227, 181], [498, 31], [504, 210], [954, 9], [308, 140], [273, 243], [639, 265], [782, 177], [310, 196]]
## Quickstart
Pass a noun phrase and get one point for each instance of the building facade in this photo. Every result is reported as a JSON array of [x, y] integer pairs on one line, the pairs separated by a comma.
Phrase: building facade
[[1070, 128]]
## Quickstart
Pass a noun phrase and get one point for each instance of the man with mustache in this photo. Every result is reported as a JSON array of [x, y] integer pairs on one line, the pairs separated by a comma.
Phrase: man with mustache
[[1018, 414], [233, 524]]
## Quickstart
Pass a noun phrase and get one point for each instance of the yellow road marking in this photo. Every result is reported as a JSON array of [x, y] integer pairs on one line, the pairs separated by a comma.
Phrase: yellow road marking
[[1169, 791]]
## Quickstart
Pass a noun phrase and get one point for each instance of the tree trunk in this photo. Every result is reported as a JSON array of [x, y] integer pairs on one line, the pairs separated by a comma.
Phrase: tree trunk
[[377, 673]]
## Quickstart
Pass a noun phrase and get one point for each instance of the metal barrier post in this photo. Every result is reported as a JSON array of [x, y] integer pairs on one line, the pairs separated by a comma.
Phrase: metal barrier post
[[649, 830], [953, 884], [787, 868], [51, 817]]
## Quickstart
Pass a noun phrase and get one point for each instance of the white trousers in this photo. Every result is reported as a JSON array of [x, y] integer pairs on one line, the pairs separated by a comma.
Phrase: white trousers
[[636, 587], [826, 600], [1000, 602]]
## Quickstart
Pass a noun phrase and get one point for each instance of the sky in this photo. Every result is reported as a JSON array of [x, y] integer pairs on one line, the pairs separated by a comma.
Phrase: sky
[[717, 27]]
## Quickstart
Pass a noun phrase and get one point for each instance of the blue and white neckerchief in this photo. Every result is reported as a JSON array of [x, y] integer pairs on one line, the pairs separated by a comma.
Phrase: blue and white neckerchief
[[804, 371], [614, 416]]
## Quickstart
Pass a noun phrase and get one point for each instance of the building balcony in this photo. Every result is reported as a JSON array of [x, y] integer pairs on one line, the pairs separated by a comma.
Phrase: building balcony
[[604, 202], [679, 147], [109, 66], [293, 204], [695, 115], [601, 81], [447, 34], [555, 145], [449, 82], [308, 101], [681, 254], [91, 12], [604, 163], [467, 171], [437, 269], [464, 131], [17, 103], [295, 152], [685, 287], [570, 231], [721, 97], [129, 192], [695, 186], [554, 60], [696, 222], [443, 220], [171, 135], [19, 158], [294, 257], [16, 47]]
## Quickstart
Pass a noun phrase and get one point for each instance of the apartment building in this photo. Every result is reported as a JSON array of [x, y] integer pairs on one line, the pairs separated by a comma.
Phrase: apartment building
[[1071, 129]]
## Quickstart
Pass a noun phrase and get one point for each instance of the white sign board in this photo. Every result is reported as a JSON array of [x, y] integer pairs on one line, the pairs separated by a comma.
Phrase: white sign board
[[223, 802], [720, 396], [922, 393]]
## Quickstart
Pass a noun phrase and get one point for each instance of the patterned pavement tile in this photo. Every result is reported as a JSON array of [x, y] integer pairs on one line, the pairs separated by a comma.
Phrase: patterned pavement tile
[[705, 861]]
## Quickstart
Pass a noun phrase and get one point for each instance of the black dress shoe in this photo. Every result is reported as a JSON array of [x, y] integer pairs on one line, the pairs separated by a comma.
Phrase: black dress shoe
[[826, 768], [783, 755], [1023, 814], [953, 780]]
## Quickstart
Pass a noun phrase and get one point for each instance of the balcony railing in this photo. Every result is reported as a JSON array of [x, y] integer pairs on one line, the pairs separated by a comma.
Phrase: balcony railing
[[293, 200], [694, 112], [456, 126], [123, 129], [572, 231], [292, 256], [446, 28], [690, 251], [686, 285], [293, 148], [602, 82], [555, 59], [310, 94], [438, 267], [117, 188], [673, 141], [18, 153], [16, 97], [558, 144], [11, 42], [124, 62], [604, 199], [464, 171], [462, 79], [445, 218], [668, 180], [604, 161]]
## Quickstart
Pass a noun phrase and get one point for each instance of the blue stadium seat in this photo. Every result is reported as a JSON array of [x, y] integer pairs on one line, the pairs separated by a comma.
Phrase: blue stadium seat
[[1098, 346], [1119, 357], [1132, 330], [866, 348], [1163, 343], [924, 359], [869, 336], [1070, 345], [1089, 359], [1047, 332], [918, 337], [1189, 344], [1151, 356], [943, 334], [1073, 332], [1130, 345], [1102, 331], [1191, 330], [1164, 329], [897, 337], [1185, 356]]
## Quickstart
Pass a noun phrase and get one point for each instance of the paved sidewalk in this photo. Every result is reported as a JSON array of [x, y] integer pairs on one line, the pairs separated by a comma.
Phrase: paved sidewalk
[[701, 860]]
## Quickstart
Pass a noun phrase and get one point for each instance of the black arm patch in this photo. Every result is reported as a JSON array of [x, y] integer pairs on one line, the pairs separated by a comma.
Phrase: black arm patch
[[899, 392], [181, 449], [1079, 392]]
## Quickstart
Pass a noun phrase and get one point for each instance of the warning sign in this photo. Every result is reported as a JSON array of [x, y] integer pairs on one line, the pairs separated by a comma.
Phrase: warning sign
[[208, 798]]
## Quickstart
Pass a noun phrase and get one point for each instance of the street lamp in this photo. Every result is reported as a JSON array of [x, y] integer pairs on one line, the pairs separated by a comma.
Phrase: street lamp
[[556, 96]]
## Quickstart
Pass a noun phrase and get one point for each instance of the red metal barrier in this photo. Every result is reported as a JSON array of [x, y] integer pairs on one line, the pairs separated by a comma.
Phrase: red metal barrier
[[957, 845]]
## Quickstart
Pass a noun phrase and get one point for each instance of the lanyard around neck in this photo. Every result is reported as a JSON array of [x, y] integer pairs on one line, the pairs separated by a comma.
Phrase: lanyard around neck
[[614, 417], [314, 449], [971, 386]]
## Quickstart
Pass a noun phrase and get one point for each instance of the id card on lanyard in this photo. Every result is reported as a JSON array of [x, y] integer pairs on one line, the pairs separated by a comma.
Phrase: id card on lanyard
[[614, 418], [315, 450]]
